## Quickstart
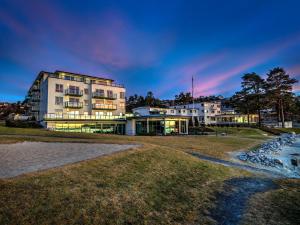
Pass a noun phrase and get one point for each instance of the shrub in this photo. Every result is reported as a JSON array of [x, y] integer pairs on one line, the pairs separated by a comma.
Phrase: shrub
[[273, 131], [22, 124]]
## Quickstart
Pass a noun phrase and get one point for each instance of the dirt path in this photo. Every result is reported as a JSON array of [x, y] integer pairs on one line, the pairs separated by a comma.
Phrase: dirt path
[[232, 202]]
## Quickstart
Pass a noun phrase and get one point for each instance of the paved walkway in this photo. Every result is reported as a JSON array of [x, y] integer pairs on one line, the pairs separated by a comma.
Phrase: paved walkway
[[24, 157]]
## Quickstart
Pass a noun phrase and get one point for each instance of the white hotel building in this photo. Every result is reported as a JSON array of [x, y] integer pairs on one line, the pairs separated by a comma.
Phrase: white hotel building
[[76, 102]]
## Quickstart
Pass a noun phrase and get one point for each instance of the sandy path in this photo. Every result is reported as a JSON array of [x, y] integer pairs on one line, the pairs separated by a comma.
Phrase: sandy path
[[24, 157]]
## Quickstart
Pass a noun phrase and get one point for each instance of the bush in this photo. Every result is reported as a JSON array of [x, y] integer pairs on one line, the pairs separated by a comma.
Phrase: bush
[[22, 124], [200, 130], [273, 131]]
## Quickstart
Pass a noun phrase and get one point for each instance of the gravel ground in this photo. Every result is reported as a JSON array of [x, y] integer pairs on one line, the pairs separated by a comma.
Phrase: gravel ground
[[20, 158]]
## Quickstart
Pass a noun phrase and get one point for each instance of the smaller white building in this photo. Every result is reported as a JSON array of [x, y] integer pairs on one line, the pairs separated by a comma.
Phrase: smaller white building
[[159, 121], [206, 111]]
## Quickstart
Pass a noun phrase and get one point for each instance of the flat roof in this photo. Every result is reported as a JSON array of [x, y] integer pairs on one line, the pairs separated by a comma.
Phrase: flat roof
[[158, 116], [84, 75]]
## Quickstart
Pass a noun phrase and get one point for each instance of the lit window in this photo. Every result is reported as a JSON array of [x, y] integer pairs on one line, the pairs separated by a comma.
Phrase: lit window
[[122, 95], [59, 100], [59, 88]]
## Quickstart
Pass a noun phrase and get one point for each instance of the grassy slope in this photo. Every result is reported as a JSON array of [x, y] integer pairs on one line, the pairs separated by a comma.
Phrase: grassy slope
[[153, 185], [156, 184], [277, 207]]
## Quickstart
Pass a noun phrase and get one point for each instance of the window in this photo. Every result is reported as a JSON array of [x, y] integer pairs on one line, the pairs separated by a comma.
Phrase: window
[[122, 105], [86, 102], [99, 93], [59, 88], [59, 100], [86, 91], [122, 95], [109, 94], [191, 111]]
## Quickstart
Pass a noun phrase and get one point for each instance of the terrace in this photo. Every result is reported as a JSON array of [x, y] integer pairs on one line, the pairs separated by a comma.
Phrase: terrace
[[52, 116], [105, 106], [76, 105], [102, 96], [73, 92]]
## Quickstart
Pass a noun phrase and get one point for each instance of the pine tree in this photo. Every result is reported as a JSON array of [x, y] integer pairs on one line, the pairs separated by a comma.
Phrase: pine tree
[[279, 89]]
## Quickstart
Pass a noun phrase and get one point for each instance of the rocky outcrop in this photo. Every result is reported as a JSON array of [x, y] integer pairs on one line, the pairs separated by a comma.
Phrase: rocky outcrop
[[263, 154]]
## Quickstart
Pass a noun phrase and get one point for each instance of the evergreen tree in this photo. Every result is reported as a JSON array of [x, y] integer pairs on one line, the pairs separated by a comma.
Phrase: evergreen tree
[[254, 87], [279, 91]]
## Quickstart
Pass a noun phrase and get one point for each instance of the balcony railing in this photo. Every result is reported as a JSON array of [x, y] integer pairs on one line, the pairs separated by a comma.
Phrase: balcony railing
[[73, 105], [57, 76], [53, 116], [35, 108], [72, 92], [34, 99], [102, 96], [105, 106], [35, 88]]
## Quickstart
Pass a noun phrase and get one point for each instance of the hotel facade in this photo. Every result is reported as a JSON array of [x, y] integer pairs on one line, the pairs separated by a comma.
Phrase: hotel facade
[[75, 102]]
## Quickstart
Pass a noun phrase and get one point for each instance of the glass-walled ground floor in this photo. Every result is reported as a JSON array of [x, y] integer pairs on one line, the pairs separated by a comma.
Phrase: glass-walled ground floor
[[88, 127], [161, 126]]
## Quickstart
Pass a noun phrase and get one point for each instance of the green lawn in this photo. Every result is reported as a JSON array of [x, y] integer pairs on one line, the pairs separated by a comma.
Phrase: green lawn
[[158, 183]]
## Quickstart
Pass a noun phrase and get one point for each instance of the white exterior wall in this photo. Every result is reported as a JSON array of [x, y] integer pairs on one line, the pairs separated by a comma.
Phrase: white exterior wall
[[145, 111], [206, 111], [48, 94]]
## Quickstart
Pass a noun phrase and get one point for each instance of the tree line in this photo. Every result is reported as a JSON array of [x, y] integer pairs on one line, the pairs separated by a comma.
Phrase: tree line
[[256, 95], [274, 92]]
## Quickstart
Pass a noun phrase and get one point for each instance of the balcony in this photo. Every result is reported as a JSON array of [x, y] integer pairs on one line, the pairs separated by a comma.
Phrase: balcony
[[74, 105], [35, 99], [105, 106], [102, 96], [35, 109], [53, 116], [35, 88], [72, 92]]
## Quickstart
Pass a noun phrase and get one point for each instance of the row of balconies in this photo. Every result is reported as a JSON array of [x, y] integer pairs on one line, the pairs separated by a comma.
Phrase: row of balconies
[[53, 116], [98, 95], [78, 105]]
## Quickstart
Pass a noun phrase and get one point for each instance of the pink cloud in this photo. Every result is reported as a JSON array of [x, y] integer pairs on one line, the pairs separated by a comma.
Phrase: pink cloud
[[294, 71], [255, 59], [109, 40], [13, 24], [183, 73], [296, 87]]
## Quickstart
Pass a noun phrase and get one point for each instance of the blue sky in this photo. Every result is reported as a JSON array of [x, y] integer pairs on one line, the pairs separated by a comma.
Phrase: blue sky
[[148, 45]]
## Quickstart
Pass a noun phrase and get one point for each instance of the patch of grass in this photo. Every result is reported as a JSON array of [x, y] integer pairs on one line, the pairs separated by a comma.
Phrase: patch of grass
[[289, 130], [276, 207], [151, 185], [241, 131], [158, 183]]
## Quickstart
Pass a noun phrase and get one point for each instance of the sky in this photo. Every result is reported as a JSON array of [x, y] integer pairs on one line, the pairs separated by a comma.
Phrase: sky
[[148, 45]]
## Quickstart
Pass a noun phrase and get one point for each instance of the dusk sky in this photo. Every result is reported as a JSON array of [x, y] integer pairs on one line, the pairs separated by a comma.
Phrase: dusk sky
[[148, 45]]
